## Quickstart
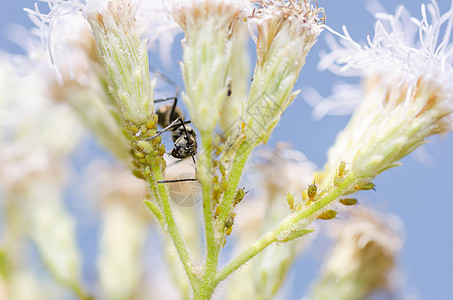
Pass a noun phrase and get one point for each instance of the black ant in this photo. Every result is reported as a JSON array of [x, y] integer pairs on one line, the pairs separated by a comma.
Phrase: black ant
[[170, 118]]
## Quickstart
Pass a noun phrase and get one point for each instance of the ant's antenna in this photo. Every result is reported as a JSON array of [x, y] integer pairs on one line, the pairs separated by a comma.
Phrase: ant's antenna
[[170, 82]]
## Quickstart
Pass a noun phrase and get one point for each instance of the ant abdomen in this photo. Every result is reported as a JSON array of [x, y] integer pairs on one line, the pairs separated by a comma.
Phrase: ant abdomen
[[166, 116]]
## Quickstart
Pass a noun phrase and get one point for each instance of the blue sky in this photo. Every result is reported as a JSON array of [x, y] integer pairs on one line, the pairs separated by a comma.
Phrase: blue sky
[[419, 194]]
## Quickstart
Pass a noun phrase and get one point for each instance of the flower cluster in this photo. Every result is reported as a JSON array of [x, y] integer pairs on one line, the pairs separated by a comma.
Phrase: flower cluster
[[94, 63], [407, 68]]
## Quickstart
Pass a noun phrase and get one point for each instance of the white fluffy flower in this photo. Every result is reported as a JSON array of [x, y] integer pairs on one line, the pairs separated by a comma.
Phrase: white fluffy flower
[[403, 49], [211, 28], [406, 70], [62, 22], [286, 31]]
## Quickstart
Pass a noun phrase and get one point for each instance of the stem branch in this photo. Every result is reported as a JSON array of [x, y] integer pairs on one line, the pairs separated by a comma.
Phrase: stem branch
[[233, 180], [163, 198], [285, 224], [205, 176]]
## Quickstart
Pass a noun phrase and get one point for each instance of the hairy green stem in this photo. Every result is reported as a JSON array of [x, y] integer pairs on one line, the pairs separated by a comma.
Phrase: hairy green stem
[[285, 225], [154, 210], [233, 180], [171, 228], [205, 175]]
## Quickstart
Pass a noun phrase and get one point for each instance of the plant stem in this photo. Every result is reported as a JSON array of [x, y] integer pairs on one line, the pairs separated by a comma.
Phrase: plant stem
[[205, 175], [154, 210], [285, 225], [233, 180], [80, 293], [163, 198]]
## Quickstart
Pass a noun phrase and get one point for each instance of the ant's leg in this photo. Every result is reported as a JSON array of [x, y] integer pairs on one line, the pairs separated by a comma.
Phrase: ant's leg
[[187, 137], [165, 99], [173, 107], [177, 180], [173, 84], [170, 82], [166, 79], [169, 127]]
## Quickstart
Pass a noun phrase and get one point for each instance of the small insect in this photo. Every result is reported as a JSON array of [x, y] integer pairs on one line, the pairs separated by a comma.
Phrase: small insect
[[240, 194], [171, 118], [327, 215], [365, 186], [183, 136], [348, 201], [311, 191], [290, 200], [229, 224]]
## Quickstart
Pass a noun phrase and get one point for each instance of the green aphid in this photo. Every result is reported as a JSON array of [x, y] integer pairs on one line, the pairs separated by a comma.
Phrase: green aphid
[[146, 146], [139, 154], [151, 123], [348, 201], [132, 128], [365, 186], [312, 190], [147, 171], [290, 200], [342, 169], [224, 185], [161, 149], [240, 193], [138, 174], [222, 170], [136, 164], [218, 210], [327, 215], [229, 222]]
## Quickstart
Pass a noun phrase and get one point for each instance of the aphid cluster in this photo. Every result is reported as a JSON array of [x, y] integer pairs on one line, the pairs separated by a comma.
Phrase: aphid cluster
[[312, 194], [240, 193], [146, 154]]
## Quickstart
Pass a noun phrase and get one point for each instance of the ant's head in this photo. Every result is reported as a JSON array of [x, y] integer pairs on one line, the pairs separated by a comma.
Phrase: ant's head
[[185, 144]]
